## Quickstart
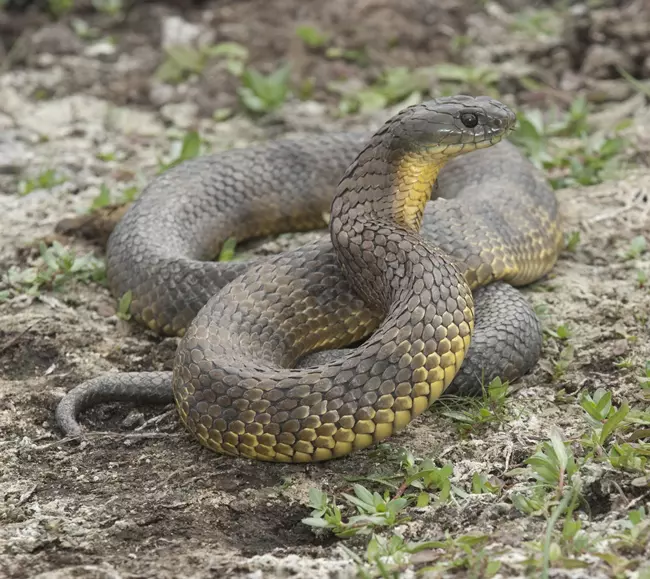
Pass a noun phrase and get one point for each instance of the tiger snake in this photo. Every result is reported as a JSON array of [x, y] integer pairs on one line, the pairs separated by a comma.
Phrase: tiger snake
[[322, 350]]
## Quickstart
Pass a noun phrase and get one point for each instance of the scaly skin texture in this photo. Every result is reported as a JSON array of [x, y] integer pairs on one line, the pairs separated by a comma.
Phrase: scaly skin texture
[[248, 376]]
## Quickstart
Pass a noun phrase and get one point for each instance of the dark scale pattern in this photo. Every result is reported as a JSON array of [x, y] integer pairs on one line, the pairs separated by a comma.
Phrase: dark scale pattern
[[250, 375], [159, 249]]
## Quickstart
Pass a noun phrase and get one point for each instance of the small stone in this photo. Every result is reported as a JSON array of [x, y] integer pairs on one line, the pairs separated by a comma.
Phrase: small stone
[[139, 122], [56, 39], [102, 48], [14, 156], [304, 115], [161, 93], [177, 31], [133, 418], [59, 117], [620, 347], [181, 115], [106, 310]]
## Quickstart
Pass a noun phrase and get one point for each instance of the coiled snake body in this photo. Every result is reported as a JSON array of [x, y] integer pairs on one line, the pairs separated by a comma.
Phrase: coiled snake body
[[254, 374]]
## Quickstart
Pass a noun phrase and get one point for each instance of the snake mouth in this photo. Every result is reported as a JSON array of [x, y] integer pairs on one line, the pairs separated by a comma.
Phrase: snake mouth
[[453, 150]]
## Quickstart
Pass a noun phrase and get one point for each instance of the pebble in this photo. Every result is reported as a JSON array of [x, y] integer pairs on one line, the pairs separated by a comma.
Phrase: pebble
[[181, 115], [161, 93], [56, 39], [102, 48], [130, 121], [177, 31], [14, 156]]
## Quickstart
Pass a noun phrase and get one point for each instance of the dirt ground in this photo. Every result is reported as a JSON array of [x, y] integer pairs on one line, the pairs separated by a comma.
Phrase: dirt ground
[[139, 498]]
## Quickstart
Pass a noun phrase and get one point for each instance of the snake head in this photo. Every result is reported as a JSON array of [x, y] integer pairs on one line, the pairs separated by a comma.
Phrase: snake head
[[451, 125]]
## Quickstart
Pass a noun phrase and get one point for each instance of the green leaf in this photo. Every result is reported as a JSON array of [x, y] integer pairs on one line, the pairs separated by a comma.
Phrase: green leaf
[[638, 246], [103, 199], [124, 305], [559, 448], [613, 422], [364, 494], [317, 498], [231, 50], [186, 57], [422, 500], [492, 568], [316, 522], [48, 255], [251, 100], [370, 100], [311, 36], [191, 146], [396, 505]]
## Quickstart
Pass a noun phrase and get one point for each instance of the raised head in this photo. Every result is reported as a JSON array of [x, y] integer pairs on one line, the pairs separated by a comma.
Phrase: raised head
[[393, 176], [450, 125]]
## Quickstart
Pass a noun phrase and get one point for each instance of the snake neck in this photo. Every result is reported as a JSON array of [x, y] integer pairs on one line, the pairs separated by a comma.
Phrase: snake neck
[[379, 203]]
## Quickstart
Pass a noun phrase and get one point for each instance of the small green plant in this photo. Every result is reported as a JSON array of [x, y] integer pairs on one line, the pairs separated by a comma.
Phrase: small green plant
[[567, 147], [187, 148], [466, 553], [182, 61], [553, 467], [227, 252], [46, 180], [561, 333], [261, 93], [404, 85], [636, 531], [602, 415], [387, 556], [60, 7], [644, 379], [573, 240], [124, 306], [563, 361], [638, 246], [234, 55], [559, 549], [574, 539], [629, 457], [469, 414], [374, 511], [111, 7], [390, 557], [481, 484], [424, 476], [393, 86], [456, 78], [312, 36], [104, 198], [537, 22], [55, 267], [594, 160], [359, 57]]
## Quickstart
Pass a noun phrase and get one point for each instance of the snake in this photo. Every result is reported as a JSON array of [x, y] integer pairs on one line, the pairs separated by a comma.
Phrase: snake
[[435, 220]]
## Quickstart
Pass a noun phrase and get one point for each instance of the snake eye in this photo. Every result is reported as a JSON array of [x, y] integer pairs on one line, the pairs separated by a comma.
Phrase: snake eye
[[470, 120]]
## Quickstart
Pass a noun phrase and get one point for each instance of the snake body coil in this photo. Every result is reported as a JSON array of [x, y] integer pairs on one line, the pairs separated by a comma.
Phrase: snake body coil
[[254, 374]]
